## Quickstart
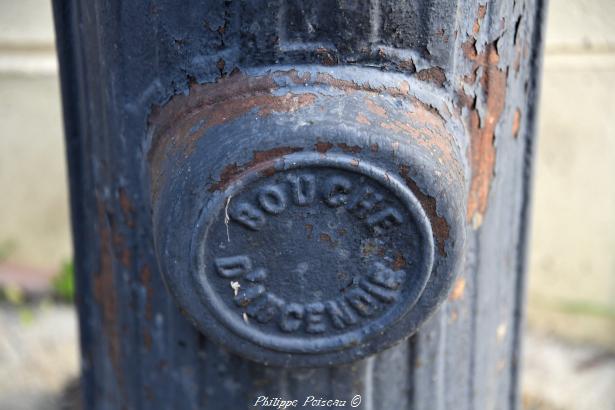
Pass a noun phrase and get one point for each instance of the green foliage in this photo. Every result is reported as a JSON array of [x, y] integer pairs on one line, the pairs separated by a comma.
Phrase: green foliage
[[64, 283]]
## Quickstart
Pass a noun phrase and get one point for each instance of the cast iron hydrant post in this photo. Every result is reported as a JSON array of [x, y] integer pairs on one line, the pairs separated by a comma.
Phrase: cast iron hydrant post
[[300, 203]]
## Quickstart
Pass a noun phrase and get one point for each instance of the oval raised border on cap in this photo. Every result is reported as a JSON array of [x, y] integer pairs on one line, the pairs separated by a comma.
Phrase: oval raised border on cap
[[309, 343]]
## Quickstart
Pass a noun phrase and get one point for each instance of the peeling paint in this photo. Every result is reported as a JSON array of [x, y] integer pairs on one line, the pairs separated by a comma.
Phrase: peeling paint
[[326, 57], [260, 159], [349, 149], [516, 123], [362, 119], [482, 127], [105, 292], [399, 262], [427, 127], [186, 118], [435, 75], [375, 108], [351, 86], [482, 10], [439, 226], [323, 147], [458, 290]]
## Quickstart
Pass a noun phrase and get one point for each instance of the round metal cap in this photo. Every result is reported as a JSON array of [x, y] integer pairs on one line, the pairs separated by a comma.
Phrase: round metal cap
[[305, 220], [312, 256]]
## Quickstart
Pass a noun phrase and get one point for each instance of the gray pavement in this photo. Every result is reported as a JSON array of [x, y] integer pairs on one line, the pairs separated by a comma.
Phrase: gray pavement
[[38, 355]]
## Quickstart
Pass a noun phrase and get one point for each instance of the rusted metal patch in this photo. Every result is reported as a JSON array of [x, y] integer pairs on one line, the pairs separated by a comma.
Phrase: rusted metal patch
[[326, 57], [178, 125], [482, 10], [350, 149], [435, 75], [128, 210], [186, 118], [482, 129], [262, 159], [323, 146], [362, 119], [105, 292], [427, 128], [518, 44], [375, 108], [350, 86], [458, 290], [439, 225], [516, 123]]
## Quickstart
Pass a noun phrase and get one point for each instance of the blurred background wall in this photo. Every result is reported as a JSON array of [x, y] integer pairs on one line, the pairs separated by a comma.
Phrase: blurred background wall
[[572, 268], [34, 227]]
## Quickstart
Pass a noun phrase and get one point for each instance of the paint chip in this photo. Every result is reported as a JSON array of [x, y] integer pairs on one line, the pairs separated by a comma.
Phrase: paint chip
[[458, 289], [500, 332], [235, 285]]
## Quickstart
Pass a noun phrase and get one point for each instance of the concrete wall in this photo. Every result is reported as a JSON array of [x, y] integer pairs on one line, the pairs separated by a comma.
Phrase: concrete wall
[[34, 228], [572, 269]]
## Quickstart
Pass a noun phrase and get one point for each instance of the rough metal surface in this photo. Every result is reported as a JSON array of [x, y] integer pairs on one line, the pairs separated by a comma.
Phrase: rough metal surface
[[340, 199], [123, 61]]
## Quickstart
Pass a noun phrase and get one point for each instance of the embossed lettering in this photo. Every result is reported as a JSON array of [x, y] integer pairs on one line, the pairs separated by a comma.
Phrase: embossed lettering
[[337, 189], [379, 284], [291, 317], [364, 202], [371, 292], [363, 303], [257, 275], [233, 266], [383, 295], [303, 188], [265, 308], [314, 318], [340, 313], [385, 277], [385, 219], [248, 215], [272, 199], [246, 295]]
